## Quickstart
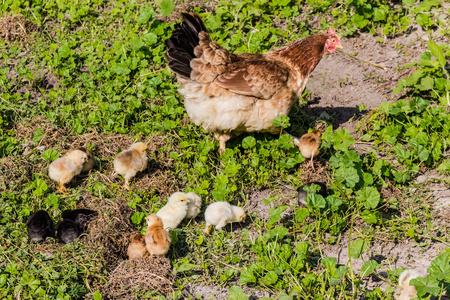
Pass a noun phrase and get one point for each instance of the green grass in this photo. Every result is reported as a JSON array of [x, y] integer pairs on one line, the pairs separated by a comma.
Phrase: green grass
[[105, 61]]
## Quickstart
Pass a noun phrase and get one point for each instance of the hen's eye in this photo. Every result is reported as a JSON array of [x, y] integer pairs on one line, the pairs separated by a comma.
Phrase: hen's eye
[[333, 41]]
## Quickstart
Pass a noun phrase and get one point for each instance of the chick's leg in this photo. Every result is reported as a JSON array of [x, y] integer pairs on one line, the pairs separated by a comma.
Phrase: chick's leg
[[125, 185], [62, 189], [311, 163], [222, 138], [207, 229]]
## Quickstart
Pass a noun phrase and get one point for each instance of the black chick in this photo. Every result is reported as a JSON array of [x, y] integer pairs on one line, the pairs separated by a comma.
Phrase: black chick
[[39, 226], [302, 193], [67, 231], [80, 216]]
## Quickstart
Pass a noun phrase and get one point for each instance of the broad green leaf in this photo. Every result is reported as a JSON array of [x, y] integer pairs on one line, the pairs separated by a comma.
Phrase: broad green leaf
[[368, 267], [38, 135], [440, 267], [359, 21], [369, 195], [408, 2], [427, 83], [136, 43], [357, 248], [150, 38], [137, 217], [371, 217], [270, 278], [237, 293], [248, 142], [97, 295], [247, 276], [301, 214], [40, 187], [348, 175], [167, 7], [437, 52], [52, 201], [329, 263], [316, 201], [64, 51], [145, 14], [186, 267], [426, 286], [342, 140], [50, 155]]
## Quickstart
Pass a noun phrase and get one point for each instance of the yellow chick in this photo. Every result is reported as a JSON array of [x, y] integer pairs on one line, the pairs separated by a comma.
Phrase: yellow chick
[[194, 205], [404, 291], [174, 211], [136, 248], [65, 168], [131, 161], [309, 145], [157, 240], [220, 213]]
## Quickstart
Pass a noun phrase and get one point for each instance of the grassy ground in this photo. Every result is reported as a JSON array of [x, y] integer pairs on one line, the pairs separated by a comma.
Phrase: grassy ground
[[93, 73]]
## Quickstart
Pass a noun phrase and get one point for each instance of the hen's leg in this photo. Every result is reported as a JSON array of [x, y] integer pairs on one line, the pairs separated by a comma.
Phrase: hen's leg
[[222, 138]]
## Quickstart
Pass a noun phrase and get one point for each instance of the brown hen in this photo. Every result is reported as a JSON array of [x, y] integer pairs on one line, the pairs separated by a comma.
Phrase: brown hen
[[229, 93]]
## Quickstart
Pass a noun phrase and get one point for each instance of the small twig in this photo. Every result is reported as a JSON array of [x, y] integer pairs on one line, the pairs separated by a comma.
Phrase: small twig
[[143, 75], [361, 60]]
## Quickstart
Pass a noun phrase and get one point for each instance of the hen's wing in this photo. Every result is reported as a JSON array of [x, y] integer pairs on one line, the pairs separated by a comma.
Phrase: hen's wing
[[245, 74], [261, 78]]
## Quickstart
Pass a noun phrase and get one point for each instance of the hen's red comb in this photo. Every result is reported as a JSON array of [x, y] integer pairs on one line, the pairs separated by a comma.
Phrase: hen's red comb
[[331, 31]]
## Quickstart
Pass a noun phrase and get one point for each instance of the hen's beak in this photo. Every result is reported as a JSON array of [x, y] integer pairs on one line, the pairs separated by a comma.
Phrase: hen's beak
[[339, 46]]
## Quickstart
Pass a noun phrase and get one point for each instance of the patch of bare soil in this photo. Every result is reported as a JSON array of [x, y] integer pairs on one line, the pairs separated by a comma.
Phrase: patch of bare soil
[[213, 292], [259, 210], [440, 200], [15, 27], [404, 254], [340, 82]]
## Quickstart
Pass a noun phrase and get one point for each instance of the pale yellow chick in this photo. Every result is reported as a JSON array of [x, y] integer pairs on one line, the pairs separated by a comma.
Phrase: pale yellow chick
[[89, 163], [404, 291], [131, 161], [136, 248], [309, 145], [174, 211], [65, 168], [157, 240], [194, 205], [220, 213]]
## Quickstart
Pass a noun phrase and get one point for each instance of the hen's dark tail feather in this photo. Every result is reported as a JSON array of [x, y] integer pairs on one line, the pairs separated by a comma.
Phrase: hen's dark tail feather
[[181, 44]]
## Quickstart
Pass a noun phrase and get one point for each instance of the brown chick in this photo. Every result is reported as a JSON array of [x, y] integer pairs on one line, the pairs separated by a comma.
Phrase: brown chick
[[65, 168], [157, 239], [89, 163], [131, 161], [136, 248], [309, 145]]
